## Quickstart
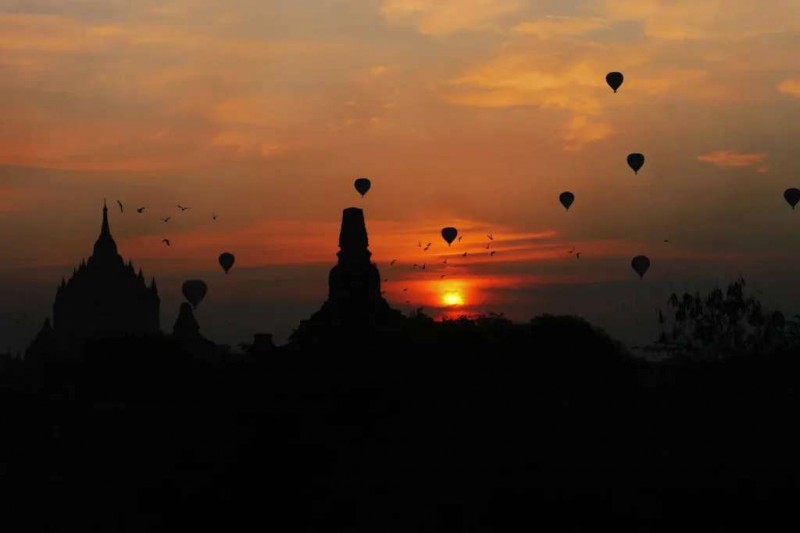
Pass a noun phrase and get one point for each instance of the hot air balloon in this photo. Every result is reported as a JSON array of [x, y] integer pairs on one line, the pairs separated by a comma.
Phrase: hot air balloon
[[614, 80], [362, 186], [566, 198], [640, 264], [449, 234], [635, 161], [792, 196], [226, 261], [194, 290]]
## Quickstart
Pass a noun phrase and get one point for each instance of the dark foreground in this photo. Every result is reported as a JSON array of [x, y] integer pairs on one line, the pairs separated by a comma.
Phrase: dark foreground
[[452, 435]]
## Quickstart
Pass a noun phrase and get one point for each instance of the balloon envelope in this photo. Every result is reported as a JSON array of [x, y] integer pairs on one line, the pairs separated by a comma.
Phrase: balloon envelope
[[362, 186], [566, 198], [635, 161], [449, 234], [792, 196], [226, 261], [640, 264], [614, 80], [194, 290]]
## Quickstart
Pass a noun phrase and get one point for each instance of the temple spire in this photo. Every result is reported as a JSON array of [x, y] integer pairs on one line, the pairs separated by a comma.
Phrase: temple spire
[[105, 231], [105, 245]]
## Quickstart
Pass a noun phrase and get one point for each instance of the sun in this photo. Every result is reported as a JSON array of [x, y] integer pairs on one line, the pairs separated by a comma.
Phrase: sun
[[452, 298]]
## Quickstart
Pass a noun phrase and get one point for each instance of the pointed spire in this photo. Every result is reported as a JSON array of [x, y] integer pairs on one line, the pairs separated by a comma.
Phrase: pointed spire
[[153, 285], [105, 245], [141, 276], [105, 230]]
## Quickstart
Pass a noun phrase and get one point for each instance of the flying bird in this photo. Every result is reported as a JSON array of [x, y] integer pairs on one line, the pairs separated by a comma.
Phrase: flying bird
[[442, 276], [460, 237], [405, 289], [487, 245], [419, 244], [491, 237], [183, 208], [578, 255], [385, 279], [140, 210], [445, 261], [393, 262], [666, 240], [492, 253], [166, 219], [573, 249], [165, 241], [426, 248], [464, 254], [120, 206], [214, 216]]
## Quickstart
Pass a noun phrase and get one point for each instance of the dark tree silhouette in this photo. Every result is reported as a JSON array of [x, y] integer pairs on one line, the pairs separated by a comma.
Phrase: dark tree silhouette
[[720, 324]]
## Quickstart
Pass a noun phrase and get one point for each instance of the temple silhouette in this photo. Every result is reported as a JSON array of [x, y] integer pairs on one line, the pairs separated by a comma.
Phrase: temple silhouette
[[354, 303], [104, 298]]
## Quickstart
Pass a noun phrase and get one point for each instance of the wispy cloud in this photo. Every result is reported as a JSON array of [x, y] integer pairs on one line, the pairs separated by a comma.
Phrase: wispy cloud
[[790, 86], [553, 26], [445, 17], [729, 158]]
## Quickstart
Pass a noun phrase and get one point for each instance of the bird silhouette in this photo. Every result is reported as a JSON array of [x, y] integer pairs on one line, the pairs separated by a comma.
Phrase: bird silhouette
[[442, 276], [492, 253], [460, 237], [393, 262], [183, 208], [445, 261], [166, 219], [487, 245], [423, 266], [405, 289], [140, 210], [385, 279], [666, 240], [214, 216], [120, 206], [570, 251], [426, 248], [165, 241], [578, 255], [491, 237], [419, 243], [464, 254]]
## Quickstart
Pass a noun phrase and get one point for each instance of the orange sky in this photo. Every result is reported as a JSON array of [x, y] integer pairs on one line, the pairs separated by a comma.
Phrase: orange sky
[[463, 113]]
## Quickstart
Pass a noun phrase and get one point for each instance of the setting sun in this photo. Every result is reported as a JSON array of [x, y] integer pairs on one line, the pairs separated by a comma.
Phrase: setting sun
[[452, 298]]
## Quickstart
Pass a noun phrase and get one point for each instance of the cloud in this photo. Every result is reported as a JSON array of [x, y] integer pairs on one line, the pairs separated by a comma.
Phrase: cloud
[[728, 158], [445, 17], [553, 27], [790, 86], [689, 20], [563, 80]]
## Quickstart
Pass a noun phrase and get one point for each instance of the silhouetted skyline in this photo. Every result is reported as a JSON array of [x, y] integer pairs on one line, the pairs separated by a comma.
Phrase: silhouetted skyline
[[476, 117]]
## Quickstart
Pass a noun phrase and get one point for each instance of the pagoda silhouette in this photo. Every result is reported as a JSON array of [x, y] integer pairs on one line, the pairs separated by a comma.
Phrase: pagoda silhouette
[[104, 298], [355, 307]]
